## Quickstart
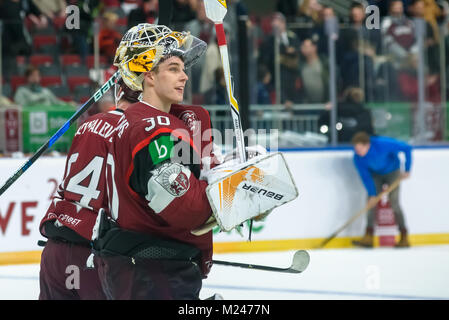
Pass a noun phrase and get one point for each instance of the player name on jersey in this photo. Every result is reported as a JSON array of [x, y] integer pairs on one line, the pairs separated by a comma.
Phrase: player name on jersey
[[97, 126]]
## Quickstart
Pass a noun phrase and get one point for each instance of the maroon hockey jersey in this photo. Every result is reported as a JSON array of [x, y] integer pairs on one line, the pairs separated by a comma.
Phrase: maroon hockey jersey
[[83, 191], [399, 31], [154, 194]]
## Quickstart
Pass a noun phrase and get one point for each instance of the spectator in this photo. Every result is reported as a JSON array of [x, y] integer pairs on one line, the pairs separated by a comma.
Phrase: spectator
[[398, 33], [408, 82], [217, 94], [308, 14], [309, 11], [51, 8], [314, 74], [431, 37], [202, 28], [288, 58], [377, 162], [318, 33], [183, 11], [288, 8], [263, 86], [109, 37], [212, 63], [14, 34], [398, 40], [33, 93], [35, 15], [145, 13], [381, 4], [356, 45], [236, 9], [431, 12], [81, 37], [351, 114], [357, 17]]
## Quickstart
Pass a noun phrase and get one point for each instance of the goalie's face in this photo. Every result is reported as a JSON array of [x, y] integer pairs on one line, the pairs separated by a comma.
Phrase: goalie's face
[[168, 80]]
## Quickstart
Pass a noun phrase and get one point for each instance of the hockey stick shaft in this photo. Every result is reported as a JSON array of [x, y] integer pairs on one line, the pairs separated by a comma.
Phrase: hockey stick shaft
[[390, 188], [250, 266], [97, 96], [216, 11], [235, 112]]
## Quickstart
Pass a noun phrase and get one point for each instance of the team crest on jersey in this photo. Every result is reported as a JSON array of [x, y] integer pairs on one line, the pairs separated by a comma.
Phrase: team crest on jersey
[[51, 216], [191, 121], [173, 179]]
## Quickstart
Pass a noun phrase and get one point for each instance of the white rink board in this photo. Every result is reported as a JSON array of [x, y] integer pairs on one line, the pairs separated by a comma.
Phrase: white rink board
[[330, 192]]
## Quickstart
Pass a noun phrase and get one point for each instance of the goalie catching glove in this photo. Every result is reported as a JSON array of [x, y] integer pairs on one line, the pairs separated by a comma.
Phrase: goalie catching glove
[[239, 192]]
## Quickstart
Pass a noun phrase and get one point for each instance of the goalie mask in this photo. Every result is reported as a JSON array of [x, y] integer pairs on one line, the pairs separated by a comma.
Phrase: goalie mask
[[143, 46]]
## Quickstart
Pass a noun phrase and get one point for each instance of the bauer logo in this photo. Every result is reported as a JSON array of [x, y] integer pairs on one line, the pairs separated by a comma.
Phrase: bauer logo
[[38, 122], [264, 192], [100, 92]]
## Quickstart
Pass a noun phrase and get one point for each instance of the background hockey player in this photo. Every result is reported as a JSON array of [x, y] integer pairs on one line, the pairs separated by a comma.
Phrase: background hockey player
[[71, 216]]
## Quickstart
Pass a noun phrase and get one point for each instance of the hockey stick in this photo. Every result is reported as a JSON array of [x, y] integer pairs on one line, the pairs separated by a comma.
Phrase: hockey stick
[[365, 209], [300, 262], [216, 11], [97, 96]]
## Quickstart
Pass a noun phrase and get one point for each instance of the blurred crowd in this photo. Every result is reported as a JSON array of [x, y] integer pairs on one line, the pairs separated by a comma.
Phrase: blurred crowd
[[289, 47], [381, 59]]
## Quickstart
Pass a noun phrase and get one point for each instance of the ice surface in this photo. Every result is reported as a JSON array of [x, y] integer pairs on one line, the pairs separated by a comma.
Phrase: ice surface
[[383, 273]]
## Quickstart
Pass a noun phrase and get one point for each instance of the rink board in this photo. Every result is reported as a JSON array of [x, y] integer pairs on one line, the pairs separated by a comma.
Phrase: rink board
[[330, 193]]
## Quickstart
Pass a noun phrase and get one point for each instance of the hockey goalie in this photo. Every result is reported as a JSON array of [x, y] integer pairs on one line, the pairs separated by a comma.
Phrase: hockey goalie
[[239, 192], [162, 184]]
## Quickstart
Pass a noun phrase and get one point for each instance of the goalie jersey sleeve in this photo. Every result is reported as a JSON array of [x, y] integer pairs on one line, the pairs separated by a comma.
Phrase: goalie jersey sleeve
[[157, 170]]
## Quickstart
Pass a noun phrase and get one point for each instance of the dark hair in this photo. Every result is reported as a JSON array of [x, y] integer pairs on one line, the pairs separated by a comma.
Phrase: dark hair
[[393, 1], [166, 57], [356, 4], [413, 2], [128, 94], [360, 137], [30, 69], [313, 41]]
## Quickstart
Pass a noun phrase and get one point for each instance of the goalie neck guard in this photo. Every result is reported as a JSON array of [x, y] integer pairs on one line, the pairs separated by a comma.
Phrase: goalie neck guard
[[143, 47]]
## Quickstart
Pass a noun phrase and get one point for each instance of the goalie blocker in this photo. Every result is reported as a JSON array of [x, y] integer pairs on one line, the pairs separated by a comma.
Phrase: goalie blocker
[[239, 192]]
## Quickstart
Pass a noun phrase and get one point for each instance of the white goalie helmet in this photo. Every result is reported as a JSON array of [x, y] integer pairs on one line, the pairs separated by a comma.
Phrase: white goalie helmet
[[143, 46]]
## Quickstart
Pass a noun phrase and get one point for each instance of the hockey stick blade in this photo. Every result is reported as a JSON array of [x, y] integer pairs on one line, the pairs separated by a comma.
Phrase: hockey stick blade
[[97, 96], [300, 262], [215, 10]]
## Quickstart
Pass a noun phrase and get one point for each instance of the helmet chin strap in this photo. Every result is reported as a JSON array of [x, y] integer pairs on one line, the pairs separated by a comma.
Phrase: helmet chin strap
[[118, 93]]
